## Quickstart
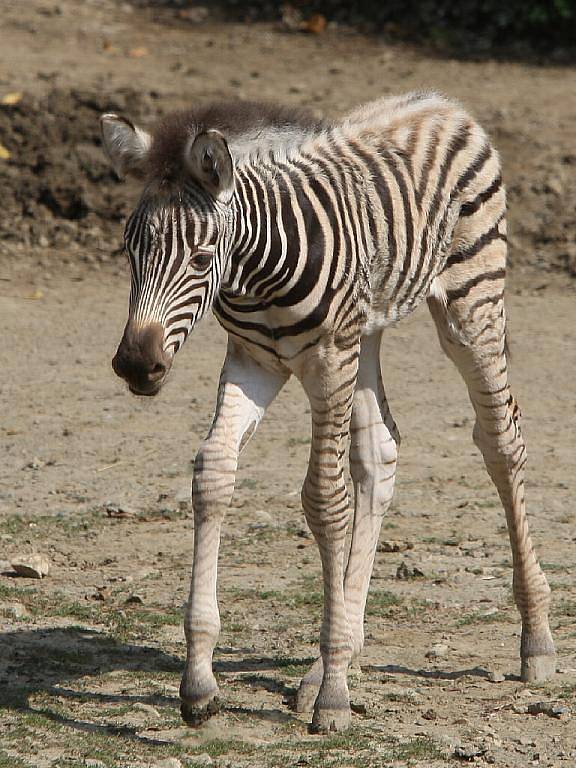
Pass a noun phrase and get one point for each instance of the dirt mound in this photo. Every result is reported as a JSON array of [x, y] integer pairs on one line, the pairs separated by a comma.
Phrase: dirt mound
[[57, 186], [58, 189]]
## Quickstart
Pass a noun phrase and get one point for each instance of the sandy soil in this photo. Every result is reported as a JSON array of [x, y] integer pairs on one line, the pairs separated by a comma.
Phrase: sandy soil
[[98, 481]]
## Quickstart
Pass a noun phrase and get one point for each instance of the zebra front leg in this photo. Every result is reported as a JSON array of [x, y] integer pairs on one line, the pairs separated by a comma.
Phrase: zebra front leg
[[245, 391], [329, 383], [374, 442]]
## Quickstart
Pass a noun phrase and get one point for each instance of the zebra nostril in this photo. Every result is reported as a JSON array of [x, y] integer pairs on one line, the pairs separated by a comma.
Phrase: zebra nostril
[[157, 371]]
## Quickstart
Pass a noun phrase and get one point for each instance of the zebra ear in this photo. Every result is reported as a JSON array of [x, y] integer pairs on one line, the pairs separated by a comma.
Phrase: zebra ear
[[210, 164], [126, 145]]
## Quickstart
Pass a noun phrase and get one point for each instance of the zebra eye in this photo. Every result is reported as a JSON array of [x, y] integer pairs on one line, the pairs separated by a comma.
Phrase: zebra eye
[[201, 259]]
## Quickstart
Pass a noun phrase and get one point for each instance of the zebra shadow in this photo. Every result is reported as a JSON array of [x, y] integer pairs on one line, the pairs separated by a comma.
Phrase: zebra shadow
[[51, 662]]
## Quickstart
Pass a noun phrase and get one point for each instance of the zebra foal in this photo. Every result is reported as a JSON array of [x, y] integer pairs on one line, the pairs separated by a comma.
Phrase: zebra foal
[[307, 238]]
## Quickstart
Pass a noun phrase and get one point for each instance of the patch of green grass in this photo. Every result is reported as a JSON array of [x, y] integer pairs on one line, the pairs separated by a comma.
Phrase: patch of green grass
[[71, 609], [9, 761], [568, 692], [381, 602], [56, 604], [566, 608], [355, 749], [480, 618], [247, 482], [14, 524], [554, 566], [134, 624], [291, 599], [168, 616], [408, 697], [62, 521], [421, 748], [293, 667], [451, 541], [8, 592], [292, 442], [219, 747]]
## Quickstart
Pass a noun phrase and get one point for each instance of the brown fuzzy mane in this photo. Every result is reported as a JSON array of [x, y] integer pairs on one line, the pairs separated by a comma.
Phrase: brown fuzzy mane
[[232, 119]]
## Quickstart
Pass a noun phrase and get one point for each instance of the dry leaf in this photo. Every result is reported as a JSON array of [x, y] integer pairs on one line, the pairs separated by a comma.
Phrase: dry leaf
[[315, 24], [109, 47], [37, 294], [137, 53], [12, 98], [5, 154]]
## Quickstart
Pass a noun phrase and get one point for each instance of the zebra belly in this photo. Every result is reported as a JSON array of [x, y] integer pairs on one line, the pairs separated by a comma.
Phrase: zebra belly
[[400, 285]]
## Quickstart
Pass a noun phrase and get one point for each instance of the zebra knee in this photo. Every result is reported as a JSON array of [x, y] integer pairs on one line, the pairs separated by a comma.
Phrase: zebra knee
[[326, 507], [213, 482], [373, 463]]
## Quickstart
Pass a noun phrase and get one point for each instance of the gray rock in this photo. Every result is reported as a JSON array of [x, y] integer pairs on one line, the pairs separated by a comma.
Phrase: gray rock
[[496, 677], [183, 499], [134, 599], [13, 611], [555, 186], [405, 573], [195, 15], [34, 566], [550, 708], [170, 762], [389, 545], [262, 519], [203, 759], [118, 510], [469, 751], [437, 651]]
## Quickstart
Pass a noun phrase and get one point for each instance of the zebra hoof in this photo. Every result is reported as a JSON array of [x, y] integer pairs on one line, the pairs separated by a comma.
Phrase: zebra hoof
[[198, 713], [330, 720], [305, 697], [535, 669]]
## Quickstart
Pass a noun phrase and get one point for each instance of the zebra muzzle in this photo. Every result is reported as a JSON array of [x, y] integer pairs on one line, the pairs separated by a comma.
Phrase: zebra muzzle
[[141, 360]]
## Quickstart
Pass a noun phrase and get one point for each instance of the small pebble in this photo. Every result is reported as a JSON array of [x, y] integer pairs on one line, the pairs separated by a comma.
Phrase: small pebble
[[134, 599], [496, 677], [437, 651], [394, 546], [469, 751], [550, 708], [405, 573], [118, 511], [203, 759], [13, 610], [32, 566], [170, 762]]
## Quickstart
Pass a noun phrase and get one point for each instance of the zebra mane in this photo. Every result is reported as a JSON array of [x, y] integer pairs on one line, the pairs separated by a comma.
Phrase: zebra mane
[[251, 129]]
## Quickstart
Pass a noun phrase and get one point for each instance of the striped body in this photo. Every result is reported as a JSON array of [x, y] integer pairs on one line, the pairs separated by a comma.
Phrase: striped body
[[309, 238], [346, 226]]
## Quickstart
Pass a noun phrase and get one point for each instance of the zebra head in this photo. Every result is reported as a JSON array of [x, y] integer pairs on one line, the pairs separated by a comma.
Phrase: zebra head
[[178, 240]]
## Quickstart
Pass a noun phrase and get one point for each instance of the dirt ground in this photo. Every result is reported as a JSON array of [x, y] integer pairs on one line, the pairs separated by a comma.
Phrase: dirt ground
[[98, 481]]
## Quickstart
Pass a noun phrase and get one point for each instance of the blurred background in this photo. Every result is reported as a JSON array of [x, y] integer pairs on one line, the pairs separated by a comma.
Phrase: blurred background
[[62, 63]]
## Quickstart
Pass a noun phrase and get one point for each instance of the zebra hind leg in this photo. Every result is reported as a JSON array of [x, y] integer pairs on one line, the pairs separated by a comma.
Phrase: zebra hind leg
[[471, 328]]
